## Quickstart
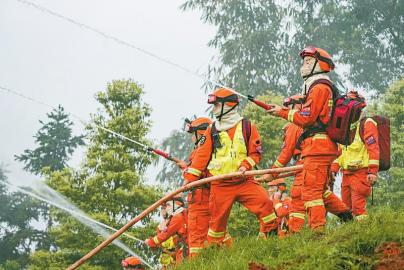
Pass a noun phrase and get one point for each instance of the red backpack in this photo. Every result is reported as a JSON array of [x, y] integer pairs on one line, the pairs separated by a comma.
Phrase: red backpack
[[345, 115], [383, 129]]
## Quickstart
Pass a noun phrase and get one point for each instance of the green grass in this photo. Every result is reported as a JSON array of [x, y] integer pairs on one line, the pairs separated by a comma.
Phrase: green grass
[[346, 246]]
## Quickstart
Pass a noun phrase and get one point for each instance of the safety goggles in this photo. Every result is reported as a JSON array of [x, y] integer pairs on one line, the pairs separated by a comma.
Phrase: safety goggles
[[313, 52], [212, 99], [191, 129]]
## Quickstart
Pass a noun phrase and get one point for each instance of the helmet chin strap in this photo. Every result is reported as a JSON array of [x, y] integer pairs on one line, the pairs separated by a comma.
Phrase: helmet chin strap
[[223, 114], [312, 71]]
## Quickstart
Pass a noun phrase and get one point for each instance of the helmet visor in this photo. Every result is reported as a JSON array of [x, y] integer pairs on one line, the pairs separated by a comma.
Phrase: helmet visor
[[308, 51]]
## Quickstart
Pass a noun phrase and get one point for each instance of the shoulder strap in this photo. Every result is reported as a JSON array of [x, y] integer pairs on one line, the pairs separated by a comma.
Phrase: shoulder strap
[[246, 127], [362, 128], [215, 138]]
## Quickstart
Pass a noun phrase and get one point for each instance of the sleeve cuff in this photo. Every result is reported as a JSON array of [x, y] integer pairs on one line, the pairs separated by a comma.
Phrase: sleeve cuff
[[284, 113], [373, 169]]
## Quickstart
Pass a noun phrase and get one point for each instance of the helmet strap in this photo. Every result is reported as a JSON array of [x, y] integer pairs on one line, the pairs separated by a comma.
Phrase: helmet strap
[[312, 71], [223, 114], [197, 140]]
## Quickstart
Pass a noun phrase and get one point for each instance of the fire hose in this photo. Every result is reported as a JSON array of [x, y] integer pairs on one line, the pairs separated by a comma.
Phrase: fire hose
[[166, 198]]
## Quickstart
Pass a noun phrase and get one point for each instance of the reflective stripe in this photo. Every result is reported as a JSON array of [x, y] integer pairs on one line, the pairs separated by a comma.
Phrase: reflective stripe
[[251, 161], [278, 205], [215, 234], [195, 249], [371, 120], [327, 194], [193, 171], [156, 240], [269, 218], [262, 235], [320, 136], [227, 238], [313, 203], [278, 164], [373, 162], [361, 217], [330, 102], [297, 215], [291, 114]]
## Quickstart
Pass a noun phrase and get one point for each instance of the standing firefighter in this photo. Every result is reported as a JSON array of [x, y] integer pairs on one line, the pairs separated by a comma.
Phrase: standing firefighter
[[231, 144], [288, 152], [198, 198], [318, 150], [173, 236], [360, 165], [132, 263]]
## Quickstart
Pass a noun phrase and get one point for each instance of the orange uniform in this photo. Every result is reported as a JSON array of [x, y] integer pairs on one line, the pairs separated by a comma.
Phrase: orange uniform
[[225, 193], [357, 161], [318, 151], [177, 226], [198, 216], [282, 209], [297, 210]]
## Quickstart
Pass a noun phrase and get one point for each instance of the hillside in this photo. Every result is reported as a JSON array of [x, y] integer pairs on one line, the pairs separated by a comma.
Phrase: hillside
[[376, 243]]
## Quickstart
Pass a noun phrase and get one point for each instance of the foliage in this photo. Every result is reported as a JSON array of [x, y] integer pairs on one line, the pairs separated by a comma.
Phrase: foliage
[[179, 145], [346, 246], [55, 144], [109, 186], [259, 41], [17, 235]]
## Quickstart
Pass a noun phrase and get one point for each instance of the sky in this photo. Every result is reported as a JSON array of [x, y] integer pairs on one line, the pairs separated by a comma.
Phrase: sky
[[57, 62]]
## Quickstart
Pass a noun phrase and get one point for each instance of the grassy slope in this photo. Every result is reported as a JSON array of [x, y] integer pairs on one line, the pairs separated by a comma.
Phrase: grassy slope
[[347, 246]]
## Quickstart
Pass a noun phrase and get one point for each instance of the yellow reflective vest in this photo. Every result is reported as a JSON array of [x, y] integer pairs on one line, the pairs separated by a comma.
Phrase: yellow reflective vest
[[227, 159], [355, 156]]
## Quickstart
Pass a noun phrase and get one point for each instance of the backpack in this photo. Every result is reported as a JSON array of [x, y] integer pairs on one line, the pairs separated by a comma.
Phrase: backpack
[[383, 129], [344, 119], [246, 129]]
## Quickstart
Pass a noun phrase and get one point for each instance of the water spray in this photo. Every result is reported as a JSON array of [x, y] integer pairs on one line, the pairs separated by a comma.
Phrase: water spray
[[79, 215]]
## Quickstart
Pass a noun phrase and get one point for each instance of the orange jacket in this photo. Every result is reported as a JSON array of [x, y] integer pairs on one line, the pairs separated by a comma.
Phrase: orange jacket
[[204, 152], [317, 106], [290, 137], [176, 226], [371, 141]]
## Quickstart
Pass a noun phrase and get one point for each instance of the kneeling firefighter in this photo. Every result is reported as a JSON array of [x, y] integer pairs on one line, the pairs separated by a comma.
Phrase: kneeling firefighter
[[176, 228]]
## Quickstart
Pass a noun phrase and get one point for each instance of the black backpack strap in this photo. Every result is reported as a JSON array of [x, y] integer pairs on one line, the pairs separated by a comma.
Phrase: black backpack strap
[[215, 138], [246, 128]]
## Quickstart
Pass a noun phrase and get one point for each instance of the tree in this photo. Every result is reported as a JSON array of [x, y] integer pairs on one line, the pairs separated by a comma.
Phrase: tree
[[179, 145], [259, 41], [389, 189], [55, 144], [17, 235], [110, 184]]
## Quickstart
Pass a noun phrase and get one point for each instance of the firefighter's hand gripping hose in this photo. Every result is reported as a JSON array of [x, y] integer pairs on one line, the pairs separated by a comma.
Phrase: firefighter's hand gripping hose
[[172, 194]]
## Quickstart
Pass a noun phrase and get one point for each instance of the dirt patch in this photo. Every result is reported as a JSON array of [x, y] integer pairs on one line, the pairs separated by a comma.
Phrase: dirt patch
[[391, 256], [258, 266]]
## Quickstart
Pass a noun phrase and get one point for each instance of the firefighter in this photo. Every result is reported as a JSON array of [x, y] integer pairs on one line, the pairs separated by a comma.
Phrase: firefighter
[[282, 204], [176, 227], [318, 150], [289, 152], [132, 263], [198, 198], [360, 164], [231, 144]]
